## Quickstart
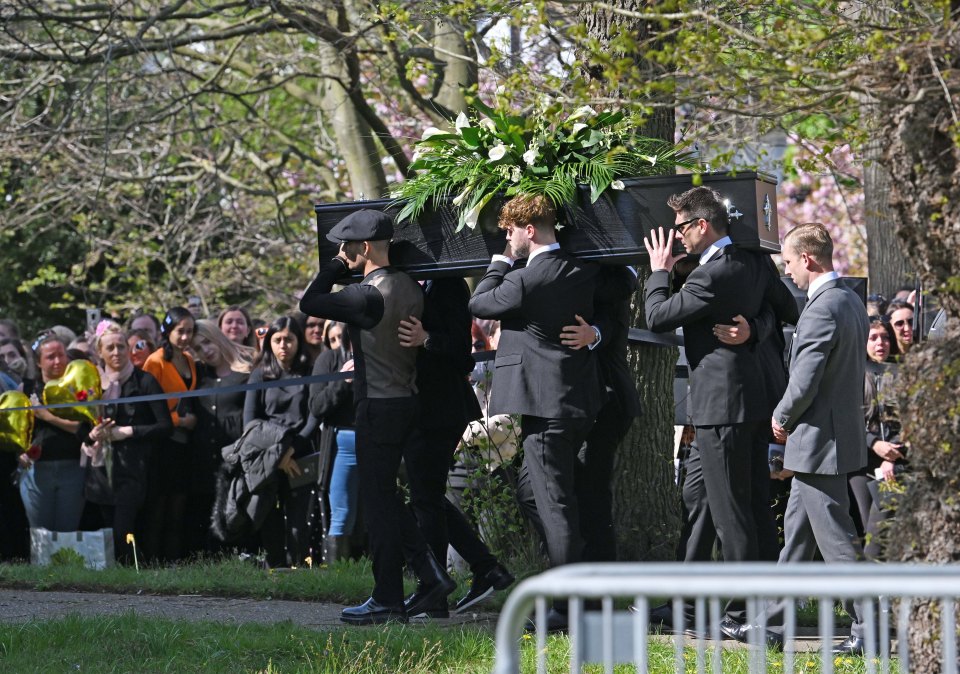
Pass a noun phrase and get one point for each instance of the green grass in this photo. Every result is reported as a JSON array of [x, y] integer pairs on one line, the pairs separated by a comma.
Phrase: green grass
[[342, 582], [132, 644]]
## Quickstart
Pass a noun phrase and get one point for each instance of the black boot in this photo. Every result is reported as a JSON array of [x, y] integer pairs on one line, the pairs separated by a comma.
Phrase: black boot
[[433, 586], [335, 548]]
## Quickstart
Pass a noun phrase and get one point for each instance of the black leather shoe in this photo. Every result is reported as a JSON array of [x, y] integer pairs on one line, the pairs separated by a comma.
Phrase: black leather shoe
[[743, 633], [661, 616], [439, 611], [556, 622], [850, 646], [433, 586], [483, 586], [372, 612]]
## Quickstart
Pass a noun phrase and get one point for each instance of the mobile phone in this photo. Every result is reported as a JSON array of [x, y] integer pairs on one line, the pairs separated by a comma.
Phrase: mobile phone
[[93, 318]]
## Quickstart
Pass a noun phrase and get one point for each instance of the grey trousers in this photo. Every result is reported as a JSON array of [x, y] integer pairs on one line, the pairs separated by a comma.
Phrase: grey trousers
[[818, 516]]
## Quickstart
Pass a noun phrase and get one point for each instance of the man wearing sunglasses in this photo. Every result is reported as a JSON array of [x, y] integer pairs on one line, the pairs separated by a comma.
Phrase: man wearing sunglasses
[[728, 401], [387, 409]]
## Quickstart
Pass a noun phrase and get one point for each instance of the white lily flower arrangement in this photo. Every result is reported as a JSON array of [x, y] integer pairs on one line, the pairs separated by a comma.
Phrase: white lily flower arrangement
[[498, 152]]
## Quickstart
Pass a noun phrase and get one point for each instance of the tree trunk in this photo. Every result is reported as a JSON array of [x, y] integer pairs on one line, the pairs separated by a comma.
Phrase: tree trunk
[[923, 158], [460, 69], [646, 501], [361, 156], [887, 262]]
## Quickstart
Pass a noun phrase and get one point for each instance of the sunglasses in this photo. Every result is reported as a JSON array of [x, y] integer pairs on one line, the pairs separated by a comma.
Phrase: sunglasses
[[682, 227], [262, 332], [140, 345]]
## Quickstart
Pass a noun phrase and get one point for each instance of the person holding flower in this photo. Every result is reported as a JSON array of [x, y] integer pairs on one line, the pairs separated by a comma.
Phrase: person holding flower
[[120, 446]]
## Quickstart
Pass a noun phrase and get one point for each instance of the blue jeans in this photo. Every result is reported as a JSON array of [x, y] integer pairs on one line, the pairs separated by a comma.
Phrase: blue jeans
[[52, 493], [344, 485]]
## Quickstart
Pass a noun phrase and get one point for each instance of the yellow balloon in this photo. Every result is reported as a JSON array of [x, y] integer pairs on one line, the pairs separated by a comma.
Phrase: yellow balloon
[[80, 382], [16, 428]]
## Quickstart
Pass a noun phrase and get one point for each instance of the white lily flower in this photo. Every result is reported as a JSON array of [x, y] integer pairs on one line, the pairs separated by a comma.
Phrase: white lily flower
[[617, 185], [462, 121], [530, 156], [459, 199], [652, 158], [472, 217], [431, 131], [577, 127], [497, 152], [488, 124], [582, 111]]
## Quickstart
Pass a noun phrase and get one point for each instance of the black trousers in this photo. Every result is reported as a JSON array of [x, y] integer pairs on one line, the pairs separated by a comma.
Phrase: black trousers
[[736, 485], [550, 450], [593, 481], [428, 462], [386, 430]]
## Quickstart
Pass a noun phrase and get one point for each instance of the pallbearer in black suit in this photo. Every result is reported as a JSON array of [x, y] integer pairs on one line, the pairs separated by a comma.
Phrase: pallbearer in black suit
[[555, 388], [447, 404], [727, 395], [594, 474]]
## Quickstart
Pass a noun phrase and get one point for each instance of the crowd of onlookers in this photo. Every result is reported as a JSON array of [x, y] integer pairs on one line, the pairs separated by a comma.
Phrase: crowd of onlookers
[[151, 469]]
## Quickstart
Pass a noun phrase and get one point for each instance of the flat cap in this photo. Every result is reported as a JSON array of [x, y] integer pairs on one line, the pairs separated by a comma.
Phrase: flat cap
[[363, 225]]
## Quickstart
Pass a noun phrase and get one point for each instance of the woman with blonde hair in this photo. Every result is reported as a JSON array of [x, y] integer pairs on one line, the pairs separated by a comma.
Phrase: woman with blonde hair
[[121, 445], [222, 364]]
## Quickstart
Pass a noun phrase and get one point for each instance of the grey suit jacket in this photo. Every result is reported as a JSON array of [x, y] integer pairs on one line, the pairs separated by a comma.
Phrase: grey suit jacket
[[534, 374], [822, 408]]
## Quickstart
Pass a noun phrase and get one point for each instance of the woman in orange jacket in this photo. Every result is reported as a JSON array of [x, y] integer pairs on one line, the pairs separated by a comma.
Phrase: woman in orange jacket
[[174, 368]]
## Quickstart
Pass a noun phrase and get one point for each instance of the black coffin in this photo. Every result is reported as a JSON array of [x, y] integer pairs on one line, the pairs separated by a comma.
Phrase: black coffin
[[611, 230]]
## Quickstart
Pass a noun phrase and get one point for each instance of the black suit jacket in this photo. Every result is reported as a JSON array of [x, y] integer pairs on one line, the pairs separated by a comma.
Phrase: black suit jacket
[[612, 317], [443, 364], [767, 331], [726, 382], [533, 373]]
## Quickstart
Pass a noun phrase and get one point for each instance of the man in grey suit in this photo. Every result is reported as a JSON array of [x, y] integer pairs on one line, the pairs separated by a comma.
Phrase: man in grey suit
[[556, 389], [820, 417]]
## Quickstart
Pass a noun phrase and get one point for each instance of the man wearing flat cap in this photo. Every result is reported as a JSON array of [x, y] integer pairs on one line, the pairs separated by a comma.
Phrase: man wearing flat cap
[[386, 406]]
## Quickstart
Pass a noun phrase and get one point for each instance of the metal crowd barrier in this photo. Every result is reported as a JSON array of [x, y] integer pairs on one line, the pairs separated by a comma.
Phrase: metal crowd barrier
[[611, 635]]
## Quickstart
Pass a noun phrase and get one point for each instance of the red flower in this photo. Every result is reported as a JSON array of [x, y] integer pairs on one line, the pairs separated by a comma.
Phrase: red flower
[[34, 452], [81, 395]]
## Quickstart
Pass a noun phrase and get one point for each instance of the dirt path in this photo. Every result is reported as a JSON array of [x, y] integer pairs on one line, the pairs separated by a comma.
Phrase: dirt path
[[17, 606]]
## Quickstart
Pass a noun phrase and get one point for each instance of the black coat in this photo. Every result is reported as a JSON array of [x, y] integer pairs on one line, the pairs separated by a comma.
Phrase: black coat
[[219, 423], [151, 424], [332, 401], [726, 382], [534, 374], [444, 363]]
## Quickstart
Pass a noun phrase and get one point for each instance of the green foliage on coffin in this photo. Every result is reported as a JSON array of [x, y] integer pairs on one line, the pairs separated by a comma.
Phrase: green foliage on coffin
[[610, 229]]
